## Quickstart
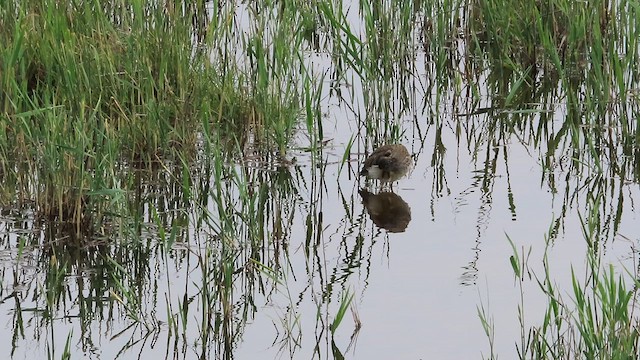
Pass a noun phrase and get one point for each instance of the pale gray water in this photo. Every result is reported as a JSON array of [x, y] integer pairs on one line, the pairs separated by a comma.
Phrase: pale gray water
[[416, 293]]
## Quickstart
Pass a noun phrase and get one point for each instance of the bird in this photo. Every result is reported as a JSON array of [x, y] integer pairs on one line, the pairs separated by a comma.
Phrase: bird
[[387, 163]]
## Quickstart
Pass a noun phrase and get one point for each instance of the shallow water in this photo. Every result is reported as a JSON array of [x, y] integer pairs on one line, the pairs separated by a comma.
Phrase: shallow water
[[416, 292]]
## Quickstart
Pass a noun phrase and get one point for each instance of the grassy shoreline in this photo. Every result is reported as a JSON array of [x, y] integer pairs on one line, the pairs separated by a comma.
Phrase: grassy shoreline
[[139, 130]]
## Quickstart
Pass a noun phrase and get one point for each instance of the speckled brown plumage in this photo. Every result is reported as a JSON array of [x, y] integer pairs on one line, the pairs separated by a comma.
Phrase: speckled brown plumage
[[387, 163]]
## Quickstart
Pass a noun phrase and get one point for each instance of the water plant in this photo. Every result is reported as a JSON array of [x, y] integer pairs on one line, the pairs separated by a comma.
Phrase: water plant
[[168, 168]]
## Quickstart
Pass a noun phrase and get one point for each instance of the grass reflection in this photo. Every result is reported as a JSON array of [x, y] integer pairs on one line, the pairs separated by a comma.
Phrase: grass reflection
[[167, 167]]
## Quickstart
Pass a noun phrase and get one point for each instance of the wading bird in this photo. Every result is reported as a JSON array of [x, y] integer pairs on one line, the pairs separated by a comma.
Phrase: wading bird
[[387, 163]]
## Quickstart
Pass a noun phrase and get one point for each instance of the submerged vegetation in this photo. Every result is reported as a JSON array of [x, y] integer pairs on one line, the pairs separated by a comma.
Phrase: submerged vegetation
[[156, 158]]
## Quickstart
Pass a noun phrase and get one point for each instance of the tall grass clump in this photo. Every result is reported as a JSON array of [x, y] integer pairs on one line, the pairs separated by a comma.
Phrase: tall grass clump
[[560, 72], [161, 118], [89, 88], [594, 319], [561, 38]]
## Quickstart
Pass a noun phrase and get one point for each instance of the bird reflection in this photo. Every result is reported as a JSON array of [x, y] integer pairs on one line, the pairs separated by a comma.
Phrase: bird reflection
[[387, 210]]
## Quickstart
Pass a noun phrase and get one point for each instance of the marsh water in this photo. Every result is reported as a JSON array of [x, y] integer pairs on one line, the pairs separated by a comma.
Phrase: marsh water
[[293, 255]]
